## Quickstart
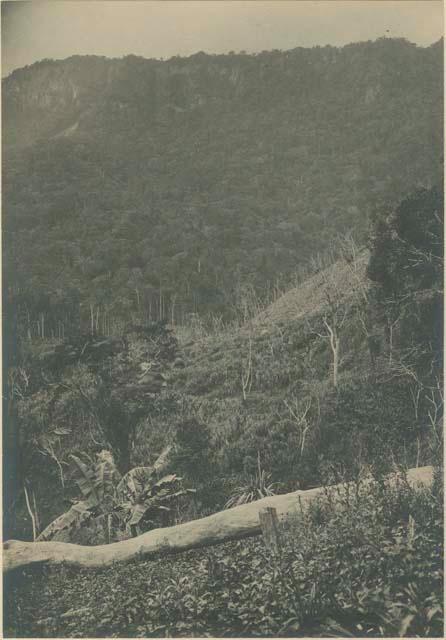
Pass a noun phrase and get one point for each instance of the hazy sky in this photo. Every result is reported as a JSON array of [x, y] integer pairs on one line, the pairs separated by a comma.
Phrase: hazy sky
[[60, 28]]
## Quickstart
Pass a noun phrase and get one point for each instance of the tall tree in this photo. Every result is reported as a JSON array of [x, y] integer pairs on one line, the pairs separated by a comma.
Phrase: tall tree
[[406, 263]]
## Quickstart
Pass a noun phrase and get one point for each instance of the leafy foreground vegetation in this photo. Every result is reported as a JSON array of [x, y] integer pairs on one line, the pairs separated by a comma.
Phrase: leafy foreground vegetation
[[364, 562]]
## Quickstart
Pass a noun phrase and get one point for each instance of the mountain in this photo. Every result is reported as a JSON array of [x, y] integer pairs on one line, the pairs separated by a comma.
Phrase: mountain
[[147, 189]]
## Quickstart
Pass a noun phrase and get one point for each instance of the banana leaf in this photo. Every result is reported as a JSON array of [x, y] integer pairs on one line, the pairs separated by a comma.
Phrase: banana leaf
[[138, 512], [86, 482], [62, 526], [139, 479], [105, 475], [162, 460], [134, 482], [62, 431], [155, 503]]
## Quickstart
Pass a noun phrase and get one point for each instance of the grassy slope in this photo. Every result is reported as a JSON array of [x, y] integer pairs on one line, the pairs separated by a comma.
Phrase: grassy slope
[[291, 366]]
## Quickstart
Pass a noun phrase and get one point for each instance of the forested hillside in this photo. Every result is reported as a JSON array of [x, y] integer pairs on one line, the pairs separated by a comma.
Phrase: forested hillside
[[340, 378], [341, 372], [139, 189]]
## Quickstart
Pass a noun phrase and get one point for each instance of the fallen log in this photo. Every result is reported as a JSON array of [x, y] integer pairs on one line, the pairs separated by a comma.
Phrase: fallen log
[[238, 522]]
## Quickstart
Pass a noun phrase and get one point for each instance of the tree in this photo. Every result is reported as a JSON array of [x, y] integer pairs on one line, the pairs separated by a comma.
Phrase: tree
[[85, 393], [406, 264], [333, 319], [241, 200]]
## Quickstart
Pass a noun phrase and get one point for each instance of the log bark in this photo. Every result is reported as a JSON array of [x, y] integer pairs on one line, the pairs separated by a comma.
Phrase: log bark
[[238, 522]]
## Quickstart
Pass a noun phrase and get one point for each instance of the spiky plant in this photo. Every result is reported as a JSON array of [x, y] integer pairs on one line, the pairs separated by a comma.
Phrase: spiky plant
[[258, 487]]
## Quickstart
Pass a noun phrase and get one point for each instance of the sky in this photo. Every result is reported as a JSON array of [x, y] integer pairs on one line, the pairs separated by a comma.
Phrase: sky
[[58, 29]]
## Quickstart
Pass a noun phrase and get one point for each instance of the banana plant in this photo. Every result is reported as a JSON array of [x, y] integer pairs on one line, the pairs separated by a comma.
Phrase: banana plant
[[141, 498], [96, 482], [132, 499]]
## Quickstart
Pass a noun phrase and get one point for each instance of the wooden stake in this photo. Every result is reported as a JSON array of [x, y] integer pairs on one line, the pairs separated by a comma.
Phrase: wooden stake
[[269, 523]]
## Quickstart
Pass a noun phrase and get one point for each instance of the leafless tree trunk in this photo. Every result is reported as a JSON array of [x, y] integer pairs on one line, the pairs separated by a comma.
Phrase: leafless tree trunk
[[31, 513], [435, 413], [334, 344], [91, 319], [247, 373], [29, 325], [172, 309], [300, 418]]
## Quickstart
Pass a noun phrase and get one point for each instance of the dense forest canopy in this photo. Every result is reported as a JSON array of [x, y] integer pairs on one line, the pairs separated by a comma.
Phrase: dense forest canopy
[[142, 189]]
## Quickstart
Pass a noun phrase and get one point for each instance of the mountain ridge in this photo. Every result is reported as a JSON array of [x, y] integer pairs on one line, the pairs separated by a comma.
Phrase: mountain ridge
[[104, 72], [162, 188]]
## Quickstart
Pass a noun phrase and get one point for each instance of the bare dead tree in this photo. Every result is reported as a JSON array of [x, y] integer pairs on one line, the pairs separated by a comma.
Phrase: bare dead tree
[[246, 376], [403, 366], [435, 397], [48, 450], [333, 321], [391, 326], [31, 513], [415, 393], [335, 345], [299, 416]]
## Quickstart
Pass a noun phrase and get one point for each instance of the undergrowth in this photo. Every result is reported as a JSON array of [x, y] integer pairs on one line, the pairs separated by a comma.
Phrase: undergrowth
[[362, 563]]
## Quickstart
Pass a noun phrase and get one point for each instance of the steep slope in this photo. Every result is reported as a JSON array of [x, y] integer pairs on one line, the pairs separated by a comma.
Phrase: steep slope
[[157, 188], [266, 391], [344, 280]]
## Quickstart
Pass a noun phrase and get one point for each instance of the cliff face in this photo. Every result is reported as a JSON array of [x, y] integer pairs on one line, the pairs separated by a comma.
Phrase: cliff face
[[203, 174], [39, 100]]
